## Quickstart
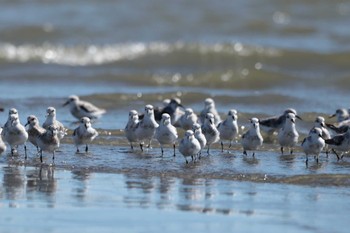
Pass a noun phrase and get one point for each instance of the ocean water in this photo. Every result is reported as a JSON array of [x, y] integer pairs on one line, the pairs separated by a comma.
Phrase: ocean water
[[259, 57]]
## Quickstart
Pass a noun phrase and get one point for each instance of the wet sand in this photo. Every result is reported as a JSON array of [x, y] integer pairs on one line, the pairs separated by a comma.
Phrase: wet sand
[[113, 189], [47, 199]]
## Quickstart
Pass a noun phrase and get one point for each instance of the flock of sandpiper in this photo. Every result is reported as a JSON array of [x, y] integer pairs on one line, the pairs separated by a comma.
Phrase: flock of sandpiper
[[48, 136], [162, 123], [208, 128]]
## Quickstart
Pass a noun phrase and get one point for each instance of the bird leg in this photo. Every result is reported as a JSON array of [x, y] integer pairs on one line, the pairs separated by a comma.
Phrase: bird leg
[[25, 152], [245, 153], [336, 154], [282, 150], [222, 146], [291, 151], [53, 157], [41, 156], [141, 146], [86, 148], [161, 148], [174, 149]]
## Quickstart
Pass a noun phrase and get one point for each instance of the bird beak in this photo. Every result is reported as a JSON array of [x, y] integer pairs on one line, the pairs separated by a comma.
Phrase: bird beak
[[27, 123], [85, 126], [331, 116], [292, 120], [322, 124], [67, 102], [211, 122], [298, 117]]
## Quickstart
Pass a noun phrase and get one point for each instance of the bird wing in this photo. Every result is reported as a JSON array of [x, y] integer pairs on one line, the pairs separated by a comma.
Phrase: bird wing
[[338, 129], [271, 121], [336, 140], [88, 107]]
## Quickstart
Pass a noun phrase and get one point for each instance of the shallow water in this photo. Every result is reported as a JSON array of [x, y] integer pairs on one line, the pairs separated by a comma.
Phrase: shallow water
[[259, 57], [69, 200]]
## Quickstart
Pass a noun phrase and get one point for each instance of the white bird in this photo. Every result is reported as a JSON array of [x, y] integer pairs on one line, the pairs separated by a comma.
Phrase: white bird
[[2, 144], [188, 119], [146, 128], [15, 134], [342, 115], [275, 123], [48, 141], [199, 136], [210, 131], [130, 128], [340, 143], [79, 108], [189, 146], [7, 125], [288, 135], [320, 123], [209, 107], [84, 134], [228, 128], [12, 111], [313, 144], [166, 133], [34, 130], [51, 120], [252, 139]]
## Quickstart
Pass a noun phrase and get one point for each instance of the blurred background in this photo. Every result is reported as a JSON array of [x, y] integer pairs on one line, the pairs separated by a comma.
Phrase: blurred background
[[257, 56]]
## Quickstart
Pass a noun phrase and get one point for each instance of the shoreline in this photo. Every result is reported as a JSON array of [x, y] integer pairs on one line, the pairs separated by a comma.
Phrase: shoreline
[[266, 167]]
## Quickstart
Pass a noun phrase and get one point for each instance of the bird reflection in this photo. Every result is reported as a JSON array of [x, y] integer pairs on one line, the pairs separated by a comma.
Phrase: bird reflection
[[13, 184], [80, 190], [139, 190], [165, 189], [287, 160], [23, 183], [41, 180]]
